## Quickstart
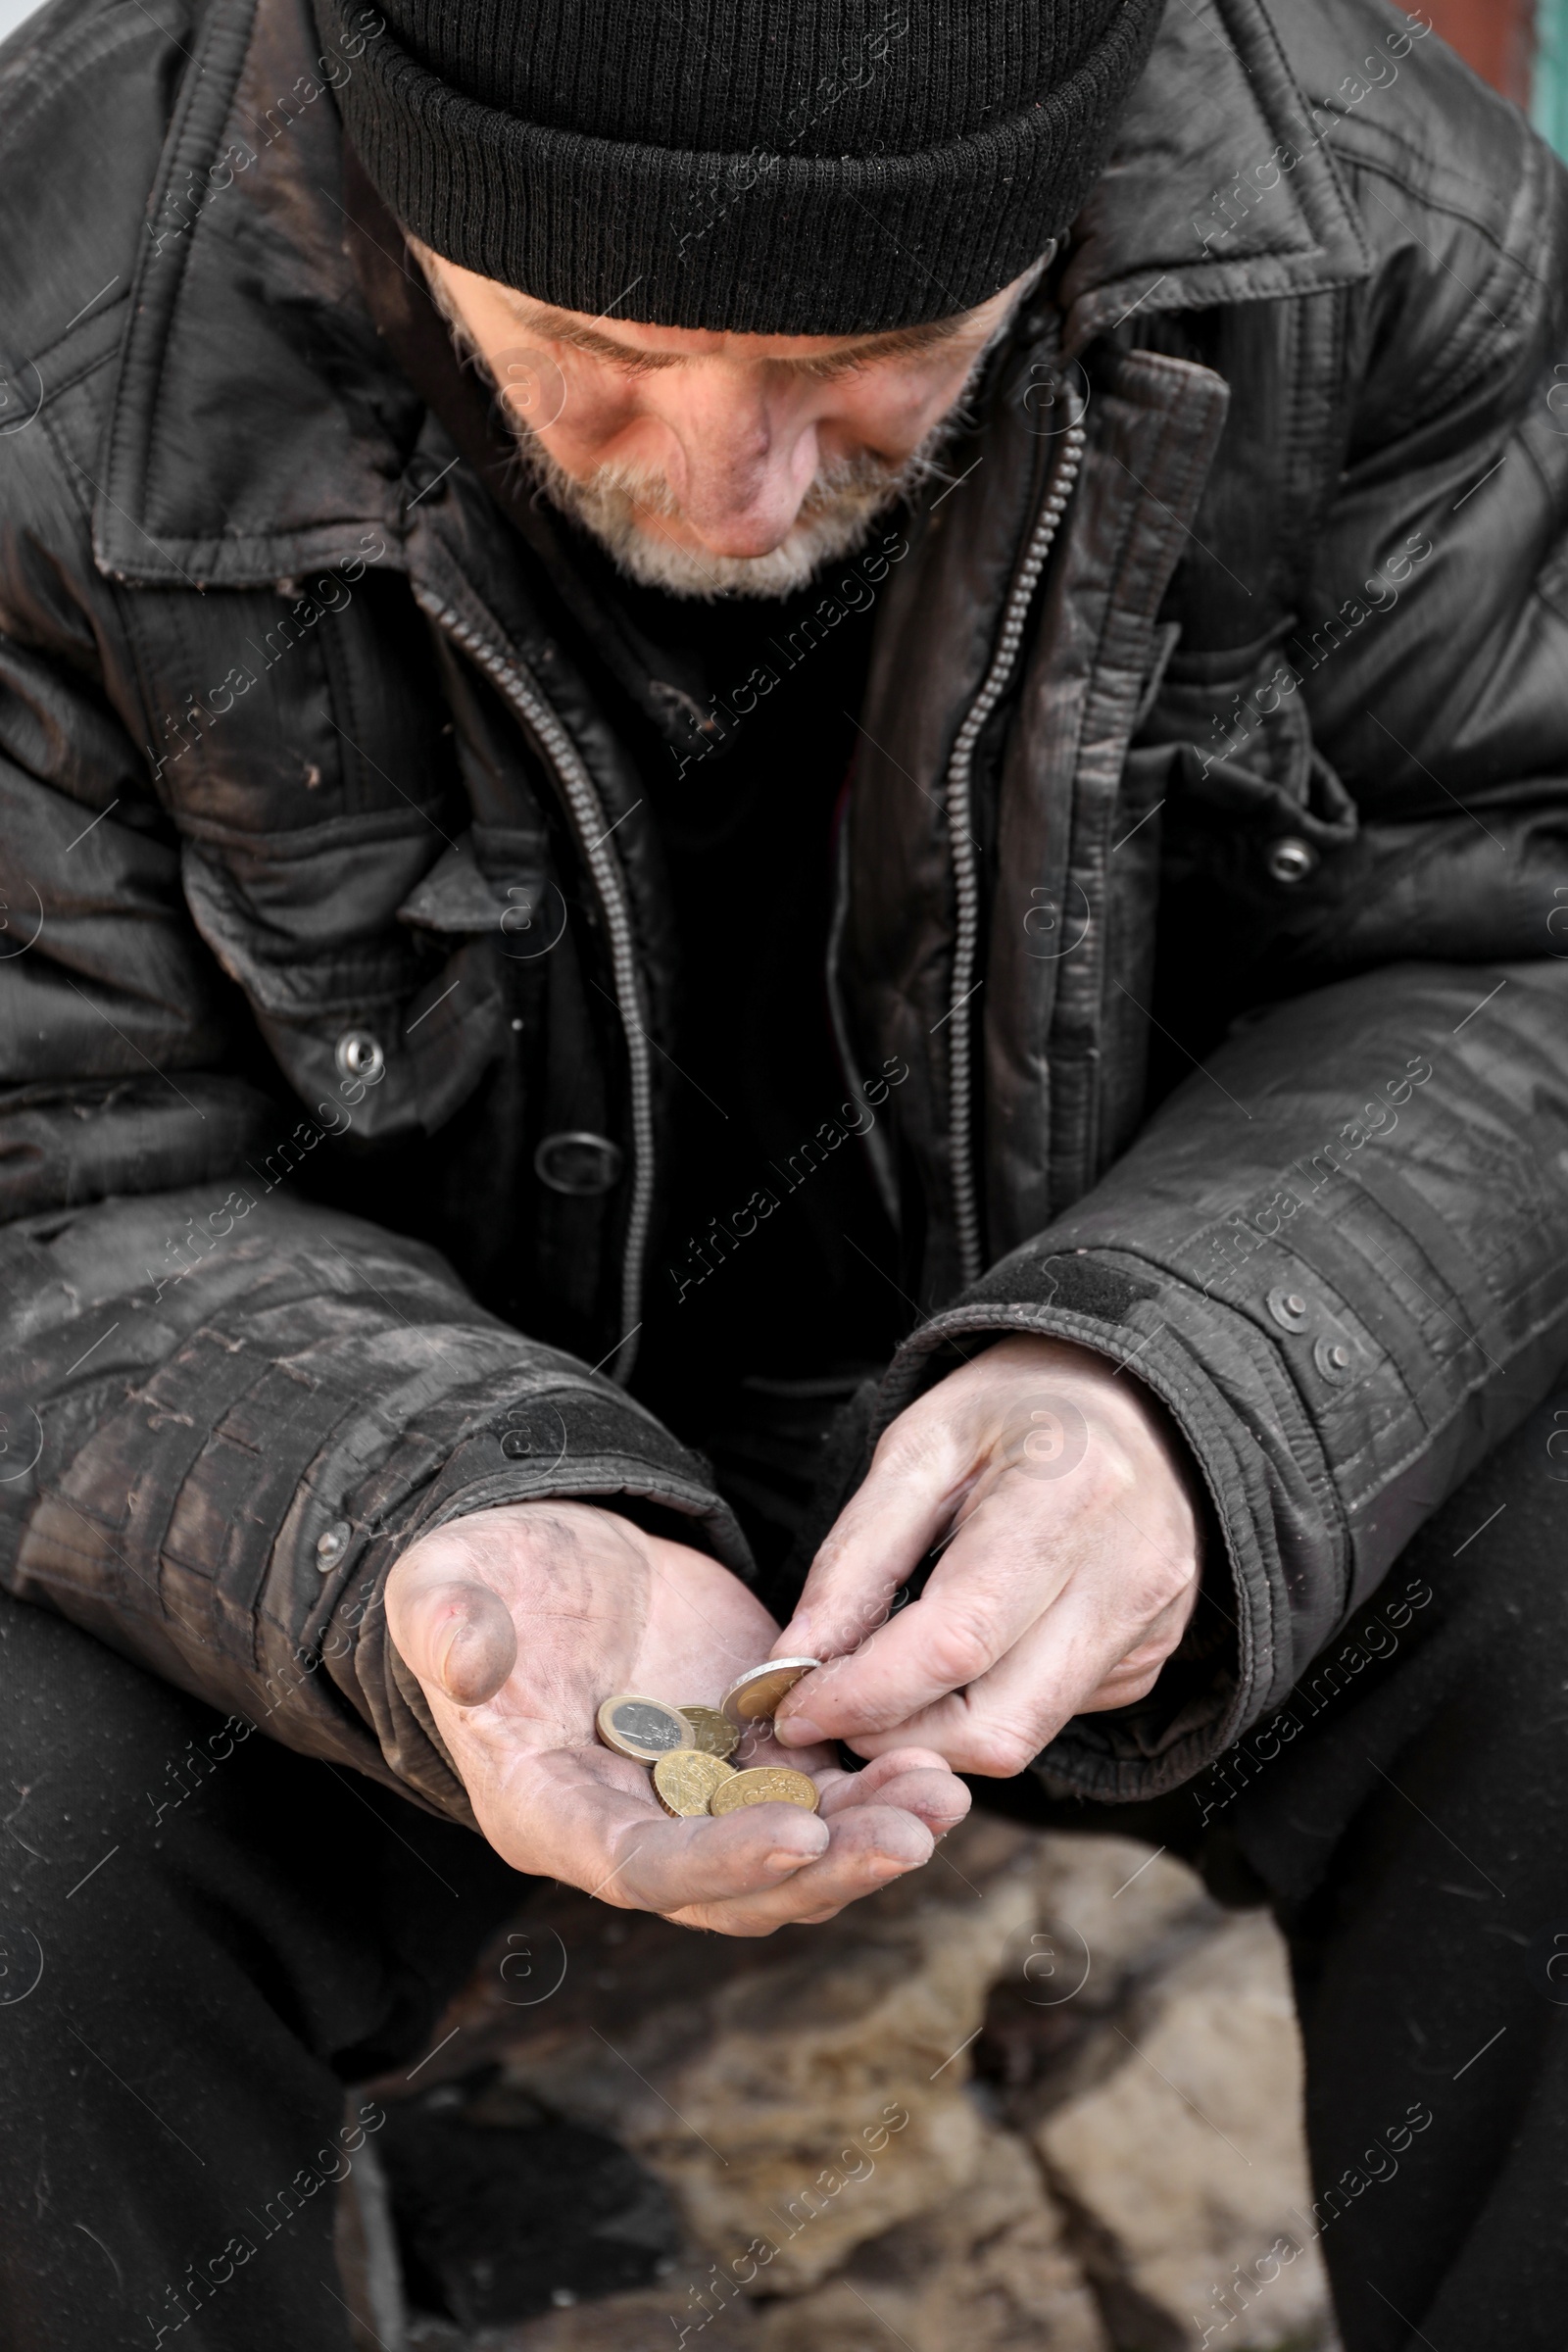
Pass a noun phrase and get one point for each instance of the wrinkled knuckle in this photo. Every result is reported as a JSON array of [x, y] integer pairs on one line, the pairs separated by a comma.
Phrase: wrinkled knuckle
[[841, 1621], [916, 1444], [1001, 1750], [960, 1650], [899, 1461]]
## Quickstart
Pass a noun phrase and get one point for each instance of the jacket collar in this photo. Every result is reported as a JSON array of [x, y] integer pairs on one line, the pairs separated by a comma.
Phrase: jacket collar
[[1217, 112], [258, 430]]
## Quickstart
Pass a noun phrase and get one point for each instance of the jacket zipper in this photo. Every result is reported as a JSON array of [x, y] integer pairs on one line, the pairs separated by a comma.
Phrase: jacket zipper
[[967, 881], [588, 821]]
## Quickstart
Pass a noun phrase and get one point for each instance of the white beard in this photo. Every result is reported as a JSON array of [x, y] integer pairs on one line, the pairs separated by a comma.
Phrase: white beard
[[620, 507]]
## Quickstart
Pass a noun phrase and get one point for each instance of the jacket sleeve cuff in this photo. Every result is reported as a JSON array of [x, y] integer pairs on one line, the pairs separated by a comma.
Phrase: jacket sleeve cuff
[[230, 1458], [567, 1435]]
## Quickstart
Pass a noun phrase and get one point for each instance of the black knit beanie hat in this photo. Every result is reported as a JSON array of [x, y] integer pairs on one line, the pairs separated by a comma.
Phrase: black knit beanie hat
[[776, 167]]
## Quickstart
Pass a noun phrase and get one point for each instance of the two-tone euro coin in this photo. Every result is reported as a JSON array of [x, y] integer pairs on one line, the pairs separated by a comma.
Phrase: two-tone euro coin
[[643, 1729], [760, 1690]]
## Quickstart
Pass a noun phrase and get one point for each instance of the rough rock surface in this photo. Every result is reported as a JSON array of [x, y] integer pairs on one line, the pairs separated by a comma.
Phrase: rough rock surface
[[987, 2271], [1187, 2159], [807, 2091], [1045, 2095]]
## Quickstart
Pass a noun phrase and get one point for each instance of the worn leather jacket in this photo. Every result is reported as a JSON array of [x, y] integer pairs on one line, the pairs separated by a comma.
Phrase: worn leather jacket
[[1205, 865]]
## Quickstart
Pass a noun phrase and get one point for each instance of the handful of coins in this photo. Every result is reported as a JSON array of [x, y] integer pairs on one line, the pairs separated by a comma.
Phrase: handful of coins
[[690, 1747]]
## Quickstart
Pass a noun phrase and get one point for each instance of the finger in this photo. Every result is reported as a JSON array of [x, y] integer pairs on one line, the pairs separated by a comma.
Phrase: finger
[[581, 1821], [874, 1777], [880, 1537], [935, 1795], [915, 1779], [998, 1725], [732, 1873], [1002, 1571], [457, 1634], [756, 1748], [672, 1866], [872, 1845]]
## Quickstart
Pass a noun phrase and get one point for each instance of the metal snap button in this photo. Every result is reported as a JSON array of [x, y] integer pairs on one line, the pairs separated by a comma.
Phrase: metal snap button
[[1289, 860], [358, 1055], [1332, 1358], [579, 1162], [1289, 1309], [332, 1545], [424, 479]]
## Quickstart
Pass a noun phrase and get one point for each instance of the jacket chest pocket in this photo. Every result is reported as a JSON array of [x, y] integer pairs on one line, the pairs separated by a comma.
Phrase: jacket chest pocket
[[380, 982]]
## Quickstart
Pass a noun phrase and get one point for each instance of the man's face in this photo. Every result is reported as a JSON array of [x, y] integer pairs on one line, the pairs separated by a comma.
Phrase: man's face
[[711, 462]]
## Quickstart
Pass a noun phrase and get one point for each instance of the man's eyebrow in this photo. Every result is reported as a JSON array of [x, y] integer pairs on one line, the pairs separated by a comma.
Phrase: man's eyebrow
[[901, 342], [558, 327]]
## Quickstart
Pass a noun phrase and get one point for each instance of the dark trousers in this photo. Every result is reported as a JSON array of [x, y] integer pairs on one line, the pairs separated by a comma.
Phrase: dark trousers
[[186, 1993], [189, 1983]]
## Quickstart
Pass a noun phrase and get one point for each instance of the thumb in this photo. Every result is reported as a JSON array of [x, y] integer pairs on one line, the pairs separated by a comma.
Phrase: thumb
[[456, 1634]]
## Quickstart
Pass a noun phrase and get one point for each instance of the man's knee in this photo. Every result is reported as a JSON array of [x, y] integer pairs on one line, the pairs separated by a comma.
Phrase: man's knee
[[1484, 1574], [90, 1747]]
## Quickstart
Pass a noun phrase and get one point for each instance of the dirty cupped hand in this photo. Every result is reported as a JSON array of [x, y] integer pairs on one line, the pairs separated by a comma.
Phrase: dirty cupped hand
[[1060, 1502], [518, 1622]]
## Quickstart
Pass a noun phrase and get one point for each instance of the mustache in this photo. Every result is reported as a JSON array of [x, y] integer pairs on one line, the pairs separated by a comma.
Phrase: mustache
[[622, 505], [860, 476]]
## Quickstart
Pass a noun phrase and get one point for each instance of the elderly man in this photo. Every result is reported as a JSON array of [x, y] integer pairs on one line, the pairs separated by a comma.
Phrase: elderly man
[[784, 844]]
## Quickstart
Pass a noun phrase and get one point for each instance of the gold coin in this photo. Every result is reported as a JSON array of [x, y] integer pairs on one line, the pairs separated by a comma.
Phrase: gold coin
[[686, 1778], [766, 1785], [717, 1736], [761, 1690], [642, 1727]]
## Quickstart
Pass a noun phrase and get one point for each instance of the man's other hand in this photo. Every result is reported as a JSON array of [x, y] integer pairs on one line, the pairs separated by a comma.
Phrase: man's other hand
[[1067, 1571], [519, 1622]]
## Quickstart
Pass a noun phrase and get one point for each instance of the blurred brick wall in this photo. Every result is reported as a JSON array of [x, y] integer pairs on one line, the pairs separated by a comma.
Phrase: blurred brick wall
[[1495, 36]]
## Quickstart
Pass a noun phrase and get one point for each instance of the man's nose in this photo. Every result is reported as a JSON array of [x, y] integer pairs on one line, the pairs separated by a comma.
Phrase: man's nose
[[740, 469]]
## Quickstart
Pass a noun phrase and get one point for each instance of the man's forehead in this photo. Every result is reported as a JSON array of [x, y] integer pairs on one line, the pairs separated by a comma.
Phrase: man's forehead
[[668, 346]]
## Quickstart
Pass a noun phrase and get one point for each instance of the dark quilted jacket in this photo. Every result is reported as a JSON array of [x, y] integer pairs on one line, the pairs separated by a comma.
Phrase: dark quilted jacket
[[1249, 773]]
